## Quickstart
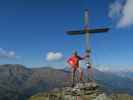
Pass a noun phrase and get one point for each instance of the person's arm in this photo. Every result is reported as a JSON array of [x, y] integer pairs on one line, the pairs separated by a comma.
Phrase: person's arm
[[82, 58]]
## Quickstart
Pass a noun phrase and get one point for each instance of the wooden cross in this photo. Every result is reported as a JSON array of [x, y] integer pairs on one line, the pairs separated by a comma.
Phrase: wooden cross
[[88, 33]]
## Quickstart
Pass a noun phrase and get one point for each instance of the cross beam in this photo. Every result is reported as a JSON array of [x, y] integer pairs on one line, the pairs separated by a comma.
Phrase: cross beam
[[90, 31], [87, 32]]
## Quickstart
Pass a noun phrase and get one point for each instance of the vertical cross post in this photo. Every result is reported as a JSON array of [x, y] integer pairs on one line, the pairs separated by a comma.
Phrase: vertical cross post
[[87, 45]]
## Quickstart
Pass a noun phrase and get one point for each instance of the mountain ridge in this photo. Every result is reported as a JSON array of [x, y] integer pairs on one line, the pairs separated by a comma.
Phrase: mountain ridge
[[29, 81]]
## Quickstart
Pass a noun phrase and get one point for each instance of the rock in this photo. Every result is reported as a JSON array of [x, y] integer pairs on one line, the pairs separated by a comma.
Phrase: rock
[[102, 97], [84, 91]]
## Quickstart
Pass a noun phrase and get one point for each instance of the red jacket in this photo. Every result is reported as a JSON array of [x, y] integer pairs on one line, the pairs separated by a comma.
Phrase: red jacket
[[74, 61]]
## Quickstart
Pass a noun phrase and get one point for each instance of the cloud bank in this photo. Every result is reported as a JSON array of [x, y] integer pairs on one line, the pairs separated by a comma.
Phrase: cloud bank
[[54, 56], [4, 54], [115, 10], [122, 10]]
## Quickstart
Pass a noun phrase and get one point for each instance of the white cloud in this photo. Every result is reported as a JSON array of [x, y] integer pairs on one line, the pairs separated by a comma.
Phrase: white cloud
[[127, 15], [104, 68], [54, 56], [123, 12], [115, 10], [4, 54]]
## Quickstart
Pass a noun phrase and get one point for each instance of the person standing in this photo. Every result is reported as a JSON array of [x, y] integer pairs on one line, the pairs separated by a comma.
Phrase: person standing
[[73, 62]]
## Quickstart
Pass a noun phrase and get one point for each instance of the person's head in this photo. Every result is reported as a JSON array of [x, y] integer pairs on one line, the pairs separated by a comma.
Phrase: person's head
[[75, 53]]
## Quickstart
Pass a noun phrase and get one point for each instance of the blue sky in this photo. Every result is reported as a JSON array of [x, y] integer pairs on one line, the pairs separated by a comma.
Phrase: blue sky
[[30, 29]]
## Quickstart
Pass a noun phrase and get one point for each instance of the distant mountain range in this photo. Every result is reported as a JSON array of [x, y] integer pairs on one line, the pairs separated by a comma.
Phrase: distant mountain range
[[18, 82], [120, 71], [124, 73]]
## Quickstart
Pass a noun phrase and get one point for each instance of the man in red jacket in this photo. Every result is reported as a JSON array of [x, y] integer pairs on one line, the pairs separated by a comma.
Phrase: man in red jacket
[[73, 61]]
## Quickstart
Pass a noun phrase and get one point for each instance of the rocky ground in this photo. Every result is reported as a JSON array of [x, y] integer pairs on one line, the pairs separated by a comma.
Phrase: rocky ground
[[82, 91], [59, 96]]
